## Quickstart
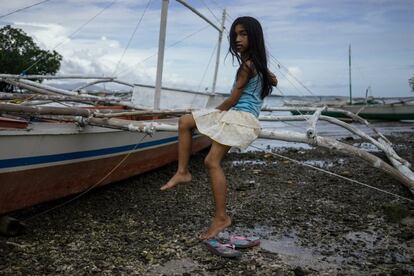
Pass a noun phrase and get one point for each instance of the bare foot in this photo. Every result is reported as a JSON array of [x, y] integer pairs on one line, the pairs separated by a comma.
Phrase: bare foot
[[218, 225], [177, 179]]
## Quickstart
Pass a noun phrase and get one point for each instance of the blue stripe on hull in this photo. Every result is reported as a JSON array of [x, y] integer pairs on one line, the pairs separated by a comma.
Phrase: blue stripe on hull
[[26, 161]]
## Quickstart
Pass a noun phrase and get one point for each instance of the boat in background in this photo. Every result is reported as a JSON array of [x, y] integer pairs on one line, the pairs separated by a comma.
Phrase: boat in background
[[384, 109]]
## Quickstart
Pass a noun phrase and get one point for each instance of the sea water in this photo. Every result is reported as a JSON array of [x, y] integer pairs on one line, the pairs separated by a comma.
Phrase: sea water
[[179, 99]]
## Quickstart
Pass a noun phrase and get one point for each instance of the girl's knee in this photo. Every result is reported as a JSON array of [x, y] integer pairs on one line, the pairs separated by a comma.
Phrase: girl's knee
[[185, 122], [211, 163]]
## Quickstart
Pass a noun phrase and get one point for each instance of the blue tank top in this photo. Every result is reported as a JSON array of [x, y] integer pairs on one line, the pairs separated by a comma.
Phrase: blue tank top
[[250, 100]]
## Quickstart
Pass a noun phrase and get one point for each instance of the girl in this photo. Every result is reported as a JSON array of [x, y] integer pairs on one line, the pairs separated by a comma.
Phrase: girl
[[232, 123]]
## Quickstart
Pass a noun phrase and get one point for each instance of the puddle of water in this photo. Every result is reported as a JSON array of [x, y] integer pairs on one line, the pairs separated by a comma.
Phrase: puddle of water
[[267, 144], [367, 146], [319, 163], [252, 162], [292, 253], [287, 247], [248, 162], [324, 163]]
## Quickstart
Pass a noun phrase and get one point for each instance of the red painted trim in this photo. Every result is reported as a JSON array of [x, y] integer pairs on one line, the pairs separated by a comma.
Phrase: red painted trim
[[12, 123], [29, 187]]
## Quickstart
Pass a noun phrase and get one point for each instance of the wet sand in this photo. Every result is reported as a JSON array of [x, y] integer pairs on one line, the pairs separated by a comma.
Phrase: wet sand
[[309, 222]]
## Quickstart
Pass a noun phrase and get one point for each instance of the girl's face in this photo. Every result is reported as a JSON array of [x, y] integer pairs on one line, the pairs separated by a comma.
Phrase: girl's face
[[242, 39]]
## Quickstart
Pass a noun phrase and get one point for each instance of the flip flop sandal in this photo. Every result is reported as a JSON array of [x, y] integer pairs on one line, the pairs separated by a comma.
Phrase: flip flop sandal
[[222, 249], [244, 242]]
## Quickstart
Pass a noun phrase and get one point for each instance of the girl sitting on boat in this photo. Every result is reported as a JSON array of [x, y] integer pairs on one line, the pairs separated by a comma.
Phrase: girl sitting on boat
[[234, 122]]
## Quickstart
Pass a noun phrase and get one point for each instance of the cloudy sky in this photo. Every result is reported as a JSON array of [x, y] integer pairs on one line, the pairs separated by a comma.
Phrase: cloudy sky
[[307, 40]]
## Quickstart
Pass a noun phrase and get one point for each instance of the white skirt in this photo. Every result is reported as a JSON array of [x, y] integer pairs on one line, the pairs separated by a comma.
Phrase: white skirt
[[232, 128]]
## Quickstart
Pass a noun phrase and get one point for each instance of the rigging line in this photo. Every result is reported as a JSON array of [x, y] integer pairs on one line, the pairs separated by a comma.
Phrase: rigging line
[[297, 110], [208, 65], [132, 36], [71, 35], [286, 77], [334, 174], [24, 8], [296, 79], [220, 7], [91, 187], [281, 92], [169, 46], [217, 19]]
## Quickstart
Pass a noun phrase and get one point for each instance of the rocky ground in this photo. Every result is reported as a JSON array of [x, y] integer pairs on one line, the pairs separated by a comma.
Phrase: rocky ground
[[309, 222]]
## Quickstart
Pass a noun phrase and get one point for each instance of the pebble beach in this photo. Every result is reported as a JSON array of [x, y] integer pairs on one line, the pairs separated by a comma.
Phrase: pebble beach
[[309, 222]]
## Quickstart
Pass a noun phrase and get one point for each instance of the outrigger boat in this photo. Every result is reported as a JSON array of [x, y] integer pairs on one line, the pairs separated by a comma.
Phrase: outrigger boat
[[48, 158], [50, 152]]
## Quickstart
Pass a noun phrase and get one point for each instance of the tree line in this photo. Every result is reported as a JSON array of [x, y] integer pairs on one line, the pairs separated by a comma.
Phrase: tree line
[[20, 55]]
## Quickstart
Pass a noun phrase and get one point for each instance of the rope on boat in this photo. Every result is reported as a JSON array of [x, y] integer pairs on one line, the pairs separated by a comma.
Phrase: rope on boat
[[91, 187], [333, 174], [167, 47], [24, 8]]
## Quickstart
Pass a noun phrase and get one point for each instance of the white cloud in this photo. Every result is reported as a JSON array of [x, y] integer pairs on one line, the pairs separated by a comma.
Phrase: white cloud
[[309, 37]]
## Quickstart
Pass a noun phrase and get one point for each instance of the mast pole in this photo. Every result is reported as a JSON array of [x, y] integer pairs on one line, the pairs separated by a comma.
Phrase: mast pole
[[161, 48], [223, 19], [350, 83], [184, 3]]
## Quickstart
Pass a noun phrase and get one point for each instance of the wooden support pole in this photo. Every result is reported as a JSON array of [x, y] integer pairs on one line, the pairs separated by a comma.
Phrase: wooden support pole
[[384, 146], [311, 131], [330, 143], [28, 87], [45, 110], [174, 112], [36, 97], [44, 89], [351, 115], [136, 126], [50, 77]]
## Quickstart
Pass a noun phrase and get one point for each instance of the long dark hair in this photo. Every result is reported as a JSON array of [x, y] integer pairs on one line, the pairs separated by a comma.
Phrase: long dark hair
[[256, 51]]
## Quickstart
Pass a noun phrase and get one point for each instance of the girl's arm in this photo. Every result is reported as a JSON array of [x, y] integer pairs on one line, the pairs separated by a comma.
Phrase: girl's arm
[[244, 74]]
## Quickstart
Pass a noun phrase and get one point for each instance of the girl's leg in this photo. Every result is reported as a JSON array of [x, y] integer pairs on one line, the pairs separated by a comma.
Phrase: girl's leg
[[221, 219], [186, 124]]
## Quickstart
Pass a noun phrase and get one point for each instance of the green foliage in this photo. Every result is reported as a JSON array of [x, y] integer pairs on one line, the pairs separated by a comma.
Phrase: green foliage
[[411, 83], [18, 52]]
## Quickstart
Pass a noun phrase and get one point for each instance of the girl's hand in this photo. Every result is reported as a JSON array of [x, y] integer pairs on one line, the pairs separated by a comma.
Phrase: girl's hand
[[273, 79]]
